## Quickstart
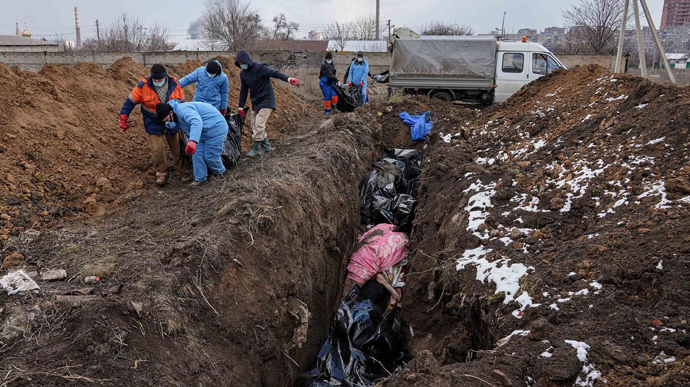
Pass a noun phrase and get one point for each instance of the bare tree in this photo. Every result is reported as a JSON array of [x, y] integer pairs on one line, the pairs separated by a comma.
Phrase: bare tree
[[441, 28], [599, 20], [231, 23], [338, 32], [291, 30], [128, 33], [279, 24], [364, 28], [158, 38]]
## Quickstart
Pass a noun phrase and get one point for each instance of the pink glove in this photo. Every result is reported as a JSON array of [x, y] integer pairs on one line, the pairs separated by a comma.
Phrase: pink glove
[[361, 84], [294, 82], [123, 122], [191, 147], [242, 113], [223, 111], [349, 84]]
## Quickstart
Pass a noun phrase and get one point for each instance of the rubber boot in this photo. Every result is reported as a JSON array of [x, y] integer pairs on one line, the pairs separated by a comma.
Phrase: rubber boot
[[255, 149], [265, 146], [161, 180]]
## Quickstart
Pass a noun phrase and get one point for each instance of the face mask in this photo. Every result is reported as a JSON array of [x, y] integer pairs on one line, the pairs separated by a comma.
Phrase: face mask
[[329, 61], [171, 125], [210, 75], [244, 66], [159, 84], [360, 59]]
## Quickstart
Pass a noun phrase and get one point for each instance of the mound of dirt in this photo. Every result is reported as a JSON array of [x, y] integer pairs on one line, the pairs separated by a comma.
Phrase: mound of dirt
[[201, 286], [552, 243], [63, 153]]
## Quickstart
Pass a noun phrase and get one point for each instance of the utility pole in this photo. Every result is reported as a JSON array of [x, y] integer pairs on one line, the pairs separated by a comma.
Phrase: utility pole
[[378, 13], [390, 38], [640, 43], [503, 25], [98, 33]]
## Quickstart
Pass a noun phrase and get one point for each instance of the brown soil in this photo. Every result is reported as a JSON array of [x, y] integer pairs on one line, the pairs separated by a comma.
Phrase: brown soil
[[63, 154], [200, 286], [605, 240]]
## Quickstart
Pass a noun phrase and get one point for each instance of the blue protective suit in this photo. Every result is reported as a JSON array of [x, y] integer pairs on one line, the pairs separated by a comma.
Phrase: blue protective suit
[[359, 73], [213, 91], [207, 127]]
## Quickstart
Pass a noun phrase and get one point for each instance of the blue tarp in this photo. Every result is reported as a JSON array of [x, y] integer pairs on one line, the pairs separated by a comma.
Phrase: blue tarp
[[420, 125]]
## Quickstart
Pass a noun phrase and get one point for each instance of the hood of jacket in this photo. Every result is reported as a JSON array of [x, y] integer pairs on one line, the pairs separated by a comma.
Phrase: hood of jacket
[[244, 57]]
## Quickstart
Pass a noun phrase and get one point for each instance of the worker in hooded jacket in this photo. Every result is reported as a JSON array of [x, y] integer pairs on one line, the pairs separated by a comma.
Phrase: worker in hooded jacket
[[359, 72], [212, 85], [256, 80], [207, 130], [150, 91], [327, 80]]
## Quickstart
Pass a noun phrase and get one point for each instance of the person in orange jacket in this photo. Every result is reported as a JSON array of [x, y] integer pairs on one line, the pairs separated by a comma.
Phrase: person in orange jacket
[[149, 92]]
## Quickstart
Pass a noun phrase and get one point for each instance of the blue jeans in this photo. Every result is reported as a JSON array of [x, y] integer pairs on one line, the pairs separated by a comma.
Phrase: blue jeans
[[207, 157]]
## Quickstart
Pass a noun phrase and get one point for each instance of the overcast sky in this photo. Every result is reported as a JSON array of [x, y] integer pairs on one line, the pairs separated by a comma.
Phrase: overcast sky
[[50, 17]]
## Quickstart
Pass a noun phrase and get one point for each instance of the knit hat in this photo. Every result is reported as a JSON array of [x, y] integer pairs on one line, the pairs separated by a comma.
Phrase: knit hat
[[360, 53], [213, 67], [163, 110], [329, 55], [158, 71]]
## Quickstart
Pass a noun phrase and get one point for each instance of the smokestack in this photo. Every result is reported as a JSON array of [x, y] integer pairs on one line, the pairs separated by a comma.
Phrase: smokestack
[[76, 23]]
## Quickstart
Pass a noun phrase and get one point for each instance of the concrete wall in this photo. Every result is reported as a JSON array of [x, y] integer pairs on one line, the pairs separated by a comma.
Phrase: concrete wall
[[34, 61], [606, 61], [378, 62]]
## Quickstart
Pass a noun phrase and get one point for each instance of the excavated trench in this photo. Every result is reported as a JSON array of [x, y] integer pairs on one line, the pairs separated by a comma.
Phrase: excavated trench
[[230, 284]]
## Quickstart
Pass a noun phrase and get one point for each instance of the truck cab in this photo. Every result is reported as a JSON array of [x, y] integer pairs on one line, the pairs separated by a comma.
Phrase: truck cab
[[519, 63]]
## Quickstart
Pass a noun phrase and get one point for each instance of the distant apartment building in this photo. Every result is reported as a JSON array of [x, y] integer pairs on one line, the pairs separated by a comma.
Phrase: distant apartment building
[[555, 31], [675, 13], [315, 35]]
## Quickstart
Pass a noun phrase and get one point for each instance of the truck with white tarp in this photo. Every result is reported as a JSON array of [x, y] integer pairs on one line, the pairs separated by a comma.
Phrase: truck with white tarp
[[467, 68]]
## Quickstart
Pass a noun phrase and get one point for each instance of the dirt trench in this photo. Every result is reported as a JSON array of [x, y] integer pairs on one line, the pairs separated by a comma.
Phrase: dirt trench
[[207, 286]]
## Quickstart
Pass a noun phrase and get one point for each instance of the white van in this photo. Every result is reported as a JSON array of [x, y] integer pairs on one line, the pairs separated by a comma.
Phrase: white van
[[467, 68]]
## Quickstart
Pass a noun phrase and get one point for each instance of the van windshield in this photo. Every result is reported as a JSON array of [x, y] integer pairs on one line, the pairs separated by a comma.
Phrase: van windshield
[[543, 64]]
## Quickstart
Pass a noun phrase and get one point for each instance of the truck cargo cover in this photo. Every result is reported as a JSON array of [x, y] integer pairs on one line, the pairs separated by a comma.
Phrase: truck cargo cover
[[445, 56]]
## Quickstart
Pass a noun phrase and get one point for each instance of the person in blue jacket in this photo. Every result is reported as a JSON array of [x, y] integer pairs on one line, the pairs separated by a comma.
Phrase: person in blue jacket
[[212, 85], [327, 79], [256, 81], [359, 71], [207, 131]]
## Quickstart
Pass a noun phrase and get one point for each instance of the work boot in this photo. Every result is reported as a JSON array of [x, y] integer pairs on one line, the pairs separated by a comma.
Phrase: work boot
[[185, 179], [161, 180], [265, 146], [197, 183], [255, 149]]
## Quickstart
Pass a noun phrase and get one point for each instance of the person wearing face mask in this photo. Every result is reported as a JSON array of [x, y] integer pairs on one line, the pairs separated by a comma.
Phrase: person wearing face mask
[[327, 79], [359, 72], [212, 85], [256, 81], [149, 92], [207, 130]]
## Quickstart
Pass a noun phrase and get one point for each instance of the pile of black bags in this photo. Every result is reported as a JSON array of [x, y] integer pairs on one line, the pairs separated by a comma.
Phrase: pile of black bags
[[388, 194]]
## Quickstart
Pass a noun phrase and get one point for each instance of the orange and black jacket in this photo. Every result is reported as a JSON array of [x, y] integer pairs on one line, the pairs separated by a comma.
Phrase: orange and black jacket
[[145, 94]]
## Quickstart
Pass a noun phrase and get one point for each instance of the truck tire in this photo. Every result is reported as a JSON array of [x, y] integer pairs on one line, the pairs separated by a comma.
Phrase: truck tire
[[442, 95]]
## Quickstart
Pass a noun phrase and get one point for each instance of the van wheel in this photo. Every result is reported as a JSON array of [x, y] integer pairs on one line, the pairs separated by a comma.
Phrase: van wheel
[[442, 95]]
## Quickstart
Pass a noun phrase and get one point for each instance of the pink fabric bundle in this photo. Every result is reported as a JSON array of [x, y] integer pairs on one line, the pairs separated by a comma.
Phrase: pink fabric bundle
[[377, 250]]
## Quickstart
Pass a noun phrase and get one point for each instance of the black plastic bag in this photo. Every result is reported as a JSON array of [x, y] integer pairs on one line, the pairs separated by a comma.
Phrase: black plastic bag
[[381, 78], [348, 99], [360, 340], [184, 139], [388, 193], [232, 148]]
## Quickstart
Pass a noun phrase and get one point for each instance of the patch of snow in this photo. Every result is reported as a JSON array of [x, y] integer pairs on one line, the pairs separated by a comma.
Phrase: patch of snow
[[595, 285], [500, 272], [447, 137], [505, 340], [554, 306], [658, 140], [660, 266], [641, 106], [591, 374], [582, 292]]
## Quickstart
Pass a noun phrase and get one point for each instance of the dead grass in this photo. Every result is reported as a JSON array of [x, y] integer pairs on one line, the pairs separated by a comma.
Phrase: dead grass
[[309, 77]]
